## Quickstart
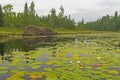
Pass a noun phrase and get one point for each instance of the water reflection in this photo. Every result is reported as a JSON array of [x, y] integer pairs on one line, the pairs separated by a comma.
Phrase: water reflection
[[22, 44], [35, 40], [3, 53], [29, 43], [2, 49]]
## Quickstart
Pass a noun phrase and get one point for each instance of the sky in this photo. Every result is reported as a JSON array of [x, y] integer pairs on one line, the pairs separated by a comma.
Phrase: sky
[[90, 10]]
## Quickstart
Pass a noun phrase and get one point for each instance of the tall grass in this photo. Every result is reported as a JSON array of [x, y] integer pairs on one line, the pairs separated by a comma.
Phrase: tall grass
[[11, 31]]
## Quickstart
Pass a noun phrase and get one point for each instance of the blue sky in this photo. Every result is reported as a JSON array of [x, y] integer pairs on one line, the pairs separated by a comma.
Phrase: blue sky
[[88, 9]]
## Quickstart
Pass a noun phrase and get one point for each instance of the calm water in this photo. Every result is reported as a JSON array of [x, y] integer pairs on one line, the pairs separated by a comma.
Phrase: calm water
[[26, 44], [30, 43]]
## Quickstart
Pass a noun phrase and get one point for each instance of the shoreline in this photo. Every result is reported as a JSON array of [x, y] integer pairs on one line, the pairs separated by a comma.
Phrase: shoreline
[[62, 34]]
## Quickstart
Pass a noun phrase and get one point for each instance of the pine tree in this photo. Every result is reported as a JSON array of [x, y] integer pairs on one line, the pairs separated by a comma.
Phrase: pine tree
[[61, 14], [32, 8], [32, 13], [26, 15], [53, 12], [1, 16], [26, 10], [116, 14]]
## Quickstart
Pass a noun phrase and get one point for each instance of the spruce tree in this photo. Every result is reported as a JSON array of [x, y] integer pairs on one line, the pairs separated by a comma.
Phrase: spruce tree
[[32, 8], [1, 16], [26, 15], [61, 14], [26, 10]]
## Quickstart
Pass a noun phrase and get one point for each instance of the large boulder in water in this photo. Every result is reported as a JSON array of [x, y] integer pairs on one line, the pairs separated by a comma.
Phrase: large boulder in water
[[36, 31]]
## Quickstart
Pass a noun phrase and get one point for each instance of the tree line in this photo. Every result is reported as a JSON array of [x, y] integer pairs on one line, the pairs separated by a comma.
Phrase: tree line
[[9, 18], [106, 23]]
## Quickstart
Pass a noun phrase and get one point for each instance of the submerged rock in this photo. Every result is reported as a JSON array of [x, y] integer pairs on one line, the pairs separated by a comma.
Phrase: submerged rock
[[36, 31]]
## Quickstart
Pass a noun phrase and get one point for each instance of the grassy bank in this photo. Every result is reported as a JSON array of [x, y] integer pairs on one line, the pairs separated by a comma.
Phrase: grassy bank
[[19, 31], [11, 31], [67, 32]]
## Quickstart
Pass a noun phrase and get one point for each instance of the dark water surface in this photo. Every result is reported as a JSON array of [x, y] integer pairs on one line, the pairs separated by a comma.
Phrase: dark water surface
[[30, 43]]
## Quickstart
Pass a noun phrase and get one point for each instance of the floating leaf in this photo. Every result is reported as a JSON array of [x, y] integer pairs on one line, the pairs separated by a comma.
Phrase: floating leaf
[[113, 72]]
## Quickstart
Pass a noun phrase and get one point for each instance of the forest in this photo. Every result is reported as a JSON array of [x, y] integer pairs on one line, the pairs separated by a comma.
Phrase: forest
[[60, 21], [8, 18]]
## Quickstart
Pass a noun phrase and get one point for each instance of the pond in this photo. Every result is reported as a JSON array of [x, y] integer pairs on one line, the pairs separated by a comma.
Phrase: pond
[[62, 57]]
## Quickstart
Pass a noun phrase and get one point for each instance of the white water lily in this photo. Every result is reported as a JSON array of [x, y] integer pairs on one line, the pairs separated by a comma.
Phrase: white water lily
[[98, 57], [71, 61], [78, 61]]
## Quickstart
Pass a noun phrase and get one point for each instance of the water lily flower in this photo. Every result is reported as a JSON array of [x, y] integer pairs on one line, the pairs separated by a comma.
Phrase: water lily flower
[[71, 61], [98, 57], [78, 61]]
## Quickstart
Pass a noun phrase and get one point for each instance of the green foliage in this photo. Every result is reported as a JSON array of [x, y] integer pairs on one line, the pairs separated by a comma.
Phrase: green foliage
[[32, 8], [26, 15], [29, 17], [81, 25], [8, 15], [8, 8], [59, 21], [26, 10], [106, 23], [1, 17], [61, 14]]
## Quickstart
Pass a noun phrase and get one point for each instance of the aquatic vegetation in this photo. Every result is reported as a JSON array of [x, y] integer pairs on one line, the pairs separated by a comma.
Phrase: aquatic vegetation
[[87, 59], [34, 75], [114, 72]]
